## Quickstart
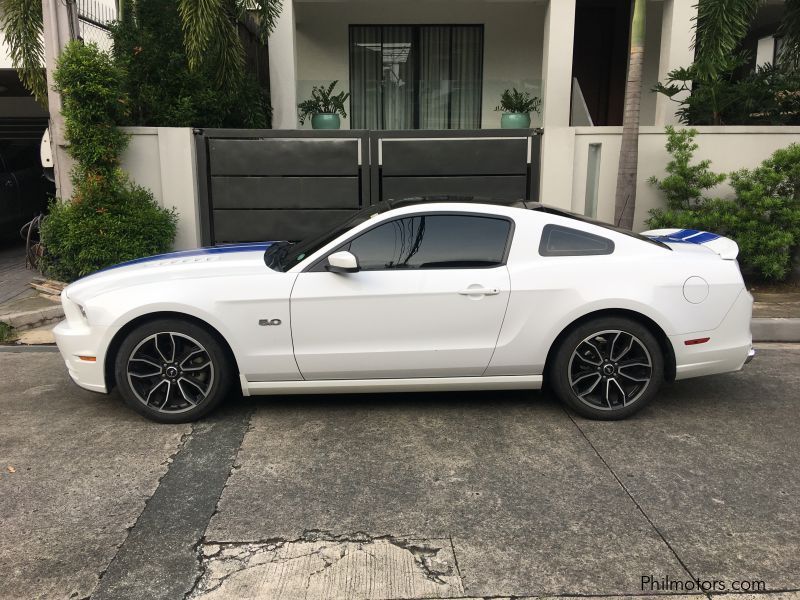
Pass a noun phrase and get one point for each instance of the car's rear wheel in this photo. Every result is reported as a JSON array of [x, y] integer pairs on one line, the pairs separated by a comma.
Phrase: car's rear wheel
[[608, 368], [172, 371]]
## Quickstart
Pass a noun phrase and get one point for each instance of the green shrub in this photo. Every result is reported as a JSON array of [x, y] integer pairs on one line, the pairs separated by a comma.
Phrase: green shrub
[[162, 90], [770, 95], [685, 182], [108, 219], [768, 200], [104, 229], [6, 332], [763, 217]]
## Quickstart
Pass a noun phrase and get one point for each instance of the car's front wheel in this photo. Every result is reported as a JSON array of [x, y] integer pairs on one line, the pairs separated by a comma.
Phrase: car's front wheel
[[608, 368], [172, 371]]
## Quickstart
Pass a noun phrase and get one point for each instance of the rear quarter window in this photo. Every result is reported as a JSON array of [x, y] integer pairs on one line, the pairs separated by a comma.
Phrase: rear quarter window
[[558, 240]]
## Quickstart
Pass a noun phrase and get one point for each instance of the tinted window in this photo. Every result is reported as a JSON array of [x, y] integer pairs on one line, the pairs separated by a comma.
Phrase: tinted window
[[564, 241], [433, 242]]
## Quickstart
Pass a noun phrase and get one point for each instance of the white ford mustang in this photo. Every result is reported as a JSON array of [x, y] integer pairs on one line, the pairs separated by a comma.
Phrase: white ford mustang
[[420, 294]]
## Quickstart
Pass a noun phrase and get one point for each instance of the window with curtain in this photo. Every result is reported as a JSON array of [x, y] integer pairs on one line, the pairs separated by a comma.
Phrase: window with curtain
[[416, 76]]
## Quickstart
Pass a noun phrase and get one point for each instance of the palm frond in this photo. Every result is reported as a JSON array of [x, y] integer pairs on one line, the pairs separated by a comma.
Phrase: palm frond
[[211, 37], [201, 20], [226, 53], [21, 22], [790, 32], [720, 27], [267, 12]]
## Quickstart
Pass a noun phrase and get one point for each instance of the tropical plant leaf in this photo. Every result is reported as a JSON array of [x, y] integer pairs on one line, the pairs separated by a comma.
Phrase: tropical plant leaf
[[720, 27], [514, 101], [21, 22], [323, 100], [267, 12], [211, 36], [789, 31], [200, 20]]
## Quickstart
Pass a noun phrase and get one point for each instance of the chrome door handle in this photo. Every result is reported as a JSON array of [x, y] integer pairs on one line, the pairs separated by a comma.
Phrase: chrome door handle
[[479, 292]]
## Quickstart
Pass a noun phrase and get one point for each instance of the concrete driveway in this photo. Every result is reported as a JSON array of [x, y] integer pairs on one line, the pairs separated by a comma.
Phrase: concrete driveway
[[401, 496]]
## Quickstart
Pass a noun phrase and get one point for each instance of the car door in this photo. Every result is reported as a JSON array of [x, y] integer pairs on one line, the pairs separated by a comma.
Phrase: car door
[[428, 301]]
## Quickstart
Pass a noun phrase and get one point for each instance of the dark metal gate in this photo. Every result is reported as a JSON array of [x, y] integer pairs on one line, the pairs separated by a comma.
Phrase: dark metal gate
[[284, 184]]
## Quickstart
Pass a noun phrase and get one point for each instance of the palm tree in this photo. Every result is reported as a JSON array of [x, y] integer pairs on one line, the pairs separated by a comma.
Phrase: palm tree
[[210, 30], [720, 27], [625, 203]]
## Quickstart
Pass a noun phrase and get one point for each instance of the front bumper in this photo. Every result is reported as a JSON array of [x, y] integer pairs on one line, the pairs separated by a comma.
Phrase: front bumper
[[75, 341]]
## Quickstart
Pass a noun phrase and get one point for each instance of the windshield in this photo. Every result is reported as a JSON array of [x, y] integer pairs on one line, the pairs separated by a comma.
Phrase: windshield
[[282, 256]]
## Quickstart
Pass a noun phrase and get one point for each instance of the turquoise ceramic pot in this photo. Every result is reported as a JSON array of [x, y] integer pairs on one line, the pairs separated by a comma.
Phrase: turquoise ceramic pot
[[515, 121], [325, 121]]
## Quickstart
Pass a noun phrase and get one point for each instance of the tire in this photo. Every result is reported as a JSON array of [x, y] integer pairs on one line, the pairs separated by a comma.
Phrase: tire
[[172, 387], [607, 368]]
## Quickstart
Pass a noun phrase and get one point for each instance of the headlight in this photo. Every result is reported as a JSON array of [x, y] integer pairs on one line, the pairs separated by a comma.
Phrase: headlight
[[73, 311]]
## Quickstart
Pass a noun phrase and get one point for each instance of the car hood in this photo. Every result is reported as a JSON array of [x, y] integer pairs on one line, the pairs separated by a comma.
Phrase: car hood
[[185, 264]]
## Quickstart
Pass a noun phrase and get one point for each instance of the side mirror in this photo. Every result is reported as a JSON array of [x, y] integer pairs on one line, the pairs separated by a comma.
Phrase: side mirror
[[342, 262]]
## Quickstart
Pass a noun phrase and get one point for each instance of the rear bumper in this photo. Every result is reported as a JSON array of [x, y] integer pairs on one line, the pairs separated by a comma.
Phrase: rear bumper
[[76, 341], [729, 348]]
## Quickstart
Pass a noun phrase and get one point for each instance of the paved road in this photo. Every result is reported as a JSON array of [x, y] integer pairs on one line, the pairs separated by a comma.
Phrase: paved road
[[399, 496], [14, 277]]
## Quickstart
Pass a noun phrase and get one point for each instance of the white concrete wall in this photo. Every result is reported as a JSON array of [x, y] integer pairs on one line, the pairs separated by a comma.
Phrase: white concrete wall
[[162, 159], [513, 33], [729, 148]]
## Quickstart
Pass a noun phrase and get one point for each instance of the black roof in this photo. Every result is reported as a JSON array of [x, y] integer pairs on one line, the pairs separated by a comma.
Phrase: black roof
[[518, 203]]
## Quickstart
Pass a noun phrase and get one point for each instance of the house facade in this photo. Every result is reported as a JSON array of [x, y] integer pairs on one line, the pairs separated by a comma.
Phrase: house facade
[[442, 64], [438, 67]]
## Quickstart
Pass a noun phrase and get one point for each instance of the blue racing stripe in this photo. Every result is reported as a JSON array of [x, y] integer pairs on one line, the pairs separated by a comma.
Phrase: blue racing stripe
[[702, 238], [687, 236], [684, 233], [228, 249]]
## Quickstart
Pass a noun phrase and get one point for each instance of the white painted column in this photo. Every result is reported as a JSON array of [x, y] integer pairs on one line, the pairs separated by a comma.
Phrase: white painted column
[[163, 160], [56, 34], [677, 27], [178, 163], [283, 69], [558, 142]]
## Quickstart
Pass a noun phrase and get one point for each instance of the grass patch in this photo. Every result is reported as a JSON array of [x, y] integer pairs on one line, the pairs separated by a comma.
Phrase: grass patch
[[6, 332]]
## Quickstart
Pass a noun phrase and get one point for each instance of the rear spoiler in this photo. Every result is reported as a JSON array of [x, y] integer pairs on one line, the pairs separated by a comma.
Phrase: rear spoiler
[[726, 248]]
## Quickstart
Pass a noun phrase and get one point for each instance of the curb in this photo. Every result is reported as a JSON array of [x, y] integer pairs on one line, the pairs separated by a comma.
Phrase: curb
[[775, 330], [33, 318]]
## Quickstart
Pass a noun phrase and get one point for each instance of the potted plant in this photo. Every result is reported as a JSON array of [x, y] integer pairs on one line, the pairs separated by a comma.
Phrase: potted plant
[[324, 107], [517, 108]]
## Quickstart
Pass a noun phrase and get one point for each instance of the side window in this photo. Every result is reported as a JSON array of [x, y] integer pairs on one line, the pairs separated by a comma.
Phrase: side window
[[564, 241], [433, 242]]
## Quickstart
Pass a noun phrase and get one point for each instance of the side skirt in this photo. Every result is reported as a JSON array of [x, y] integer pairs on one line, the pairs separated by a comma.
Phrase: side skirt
[[422, 384]]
